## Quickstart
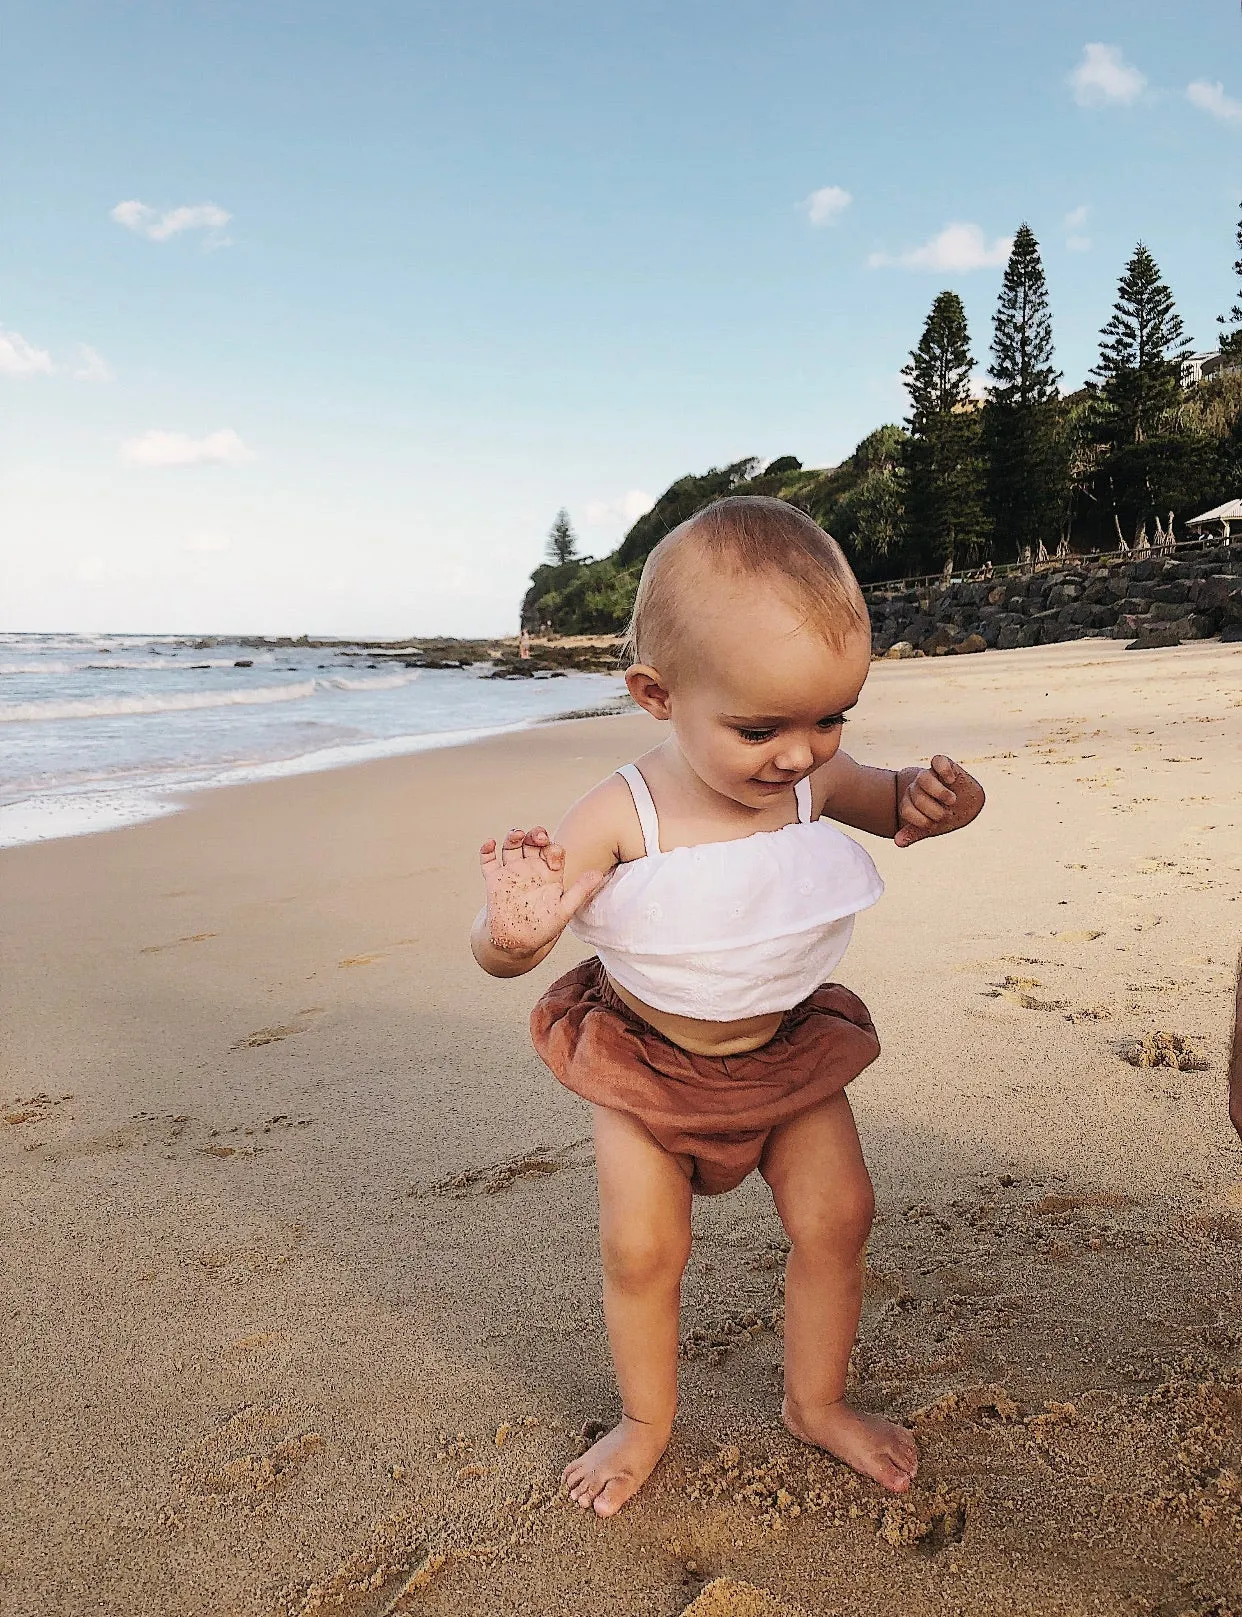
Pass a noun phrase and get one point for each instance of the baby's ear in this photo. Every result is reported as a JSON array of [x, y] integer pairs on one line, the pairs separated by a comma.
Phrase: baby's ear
[[648, 689]]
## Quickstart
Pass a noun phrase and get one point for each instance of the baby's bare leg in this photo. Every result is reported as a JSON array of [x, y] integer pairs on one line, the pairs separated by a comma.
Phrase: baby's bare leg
[[823, 1194], [644, 1228]]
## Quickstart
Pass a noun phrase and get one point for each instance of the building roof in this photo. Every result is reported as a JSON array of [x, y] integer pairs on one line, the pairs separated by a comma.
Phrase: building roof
[[1231, 511]]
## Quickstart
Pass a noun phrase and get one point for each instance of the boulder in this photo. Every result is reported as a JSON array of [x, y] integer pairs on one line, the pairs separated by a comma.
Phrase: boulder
[[1212, 594], [1153, 639], [1195, 626], [937, 642], [1063, 594], [972, 643], [899, 649]]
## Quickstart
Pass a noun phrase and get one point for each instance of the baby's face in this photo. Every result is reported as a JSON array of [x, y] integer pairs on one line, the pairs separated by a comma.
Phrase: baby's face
[[763, 700]]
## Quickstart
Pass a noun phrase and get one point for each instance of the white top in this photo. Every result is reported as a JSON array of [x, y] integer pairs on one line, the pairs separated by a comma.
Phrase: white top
[[727, 930]]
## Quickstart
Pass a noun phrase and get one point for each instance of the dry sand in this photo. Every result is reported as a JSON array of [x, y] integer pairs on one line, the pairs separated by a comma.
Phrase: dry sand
[[300, 1305]]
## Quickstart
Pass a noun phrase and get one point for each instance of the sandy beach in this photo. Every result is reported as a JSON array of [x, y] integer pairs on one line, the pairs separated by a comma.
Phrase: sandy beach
[[300, 1300]]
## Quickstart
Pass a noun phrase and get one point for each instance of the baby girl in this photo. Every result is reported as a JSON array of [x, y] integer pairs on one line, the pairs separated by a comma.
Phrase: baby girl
[[719, 900]]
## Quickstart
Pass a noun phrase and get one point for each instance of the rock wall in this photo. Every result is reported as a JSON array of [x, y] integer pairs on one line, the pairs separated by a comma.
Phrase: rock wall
[[1156, 600]]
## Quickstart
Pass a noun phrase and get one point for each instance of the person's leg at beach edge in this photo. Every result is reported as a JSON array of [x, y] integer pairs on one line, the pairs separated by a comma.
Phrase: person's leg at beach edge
[[644, 1217], [819, 1181]]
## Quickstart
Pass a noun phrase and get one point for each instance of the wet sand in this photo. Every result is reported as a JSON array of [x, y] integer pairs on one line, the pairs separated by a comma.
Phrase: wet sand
[[299, 1303]]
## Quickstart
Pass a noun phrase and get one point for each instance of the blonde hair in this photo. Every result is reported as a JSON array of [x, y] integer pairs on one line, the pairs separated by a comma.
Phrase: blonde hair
[[744, 536]]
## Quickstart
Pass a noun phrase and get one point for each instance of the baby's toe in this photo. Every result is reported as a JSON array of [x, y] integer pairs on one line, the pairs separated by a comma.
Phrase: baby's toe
[[905, 1454], [613, 1495], [891, 1476], [586, 1491]]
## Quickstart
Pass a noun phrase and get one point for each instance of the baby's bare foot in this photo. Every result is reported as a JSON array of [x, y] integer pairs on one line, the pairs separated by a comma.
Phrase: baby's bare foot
[[615, 1468], [873, 1446]]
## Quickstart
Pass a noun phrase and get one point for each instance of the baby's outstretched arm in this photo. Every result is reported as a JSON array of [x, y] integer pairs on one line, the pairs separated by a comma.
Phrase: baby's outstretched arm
[[905, 804], [528, 905]]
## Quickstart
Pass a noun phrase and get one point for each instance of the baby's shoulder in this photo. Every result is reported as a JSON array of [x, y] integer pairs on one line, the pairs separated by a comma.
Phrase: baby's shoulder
[[603, 823]]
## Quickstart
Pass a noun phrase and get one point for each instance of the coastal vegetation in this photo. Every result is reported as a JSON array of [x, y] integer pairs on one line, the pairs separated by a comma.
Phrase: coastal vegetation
[[979, 474]]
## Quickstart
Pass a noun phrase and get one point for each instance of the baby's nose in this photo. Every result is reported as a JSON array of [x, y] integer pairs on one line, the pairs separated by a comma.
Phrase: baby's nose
[[795, 757]]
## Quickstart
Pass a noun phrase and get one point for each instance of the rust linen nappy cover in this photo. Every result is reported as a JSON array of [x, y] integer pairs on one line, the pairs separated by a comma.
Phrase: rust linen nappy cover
[[718, 1110]]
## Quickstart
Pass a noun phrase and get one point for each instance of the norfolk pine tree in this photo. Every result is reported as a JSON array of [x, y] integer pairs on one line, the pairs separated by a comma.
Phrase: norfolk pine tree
[[943, 499], [1136, 393], [1141, 348], [562, 541], [1022, 434]]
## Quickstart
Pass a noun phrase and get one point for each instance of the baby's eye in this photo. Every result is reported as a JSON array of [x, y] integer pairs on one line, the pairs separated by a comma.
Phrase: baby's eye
[[834, 721], [756, 735]]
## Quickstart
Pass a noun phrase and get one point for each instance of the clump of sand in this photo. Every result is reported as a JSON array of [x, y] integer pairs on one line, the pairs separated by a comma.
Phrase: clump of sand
[[1167, 1050]]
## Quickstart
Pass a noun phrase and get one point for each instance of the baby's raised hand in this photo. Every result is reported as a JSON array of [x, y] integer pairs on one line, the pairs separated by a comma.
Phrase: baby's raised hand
[[935, 800], [528, 904]]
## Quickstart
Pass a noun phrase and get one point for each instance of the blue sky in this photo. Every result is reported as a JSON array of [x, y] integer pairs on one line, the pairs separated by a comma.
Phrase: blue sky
[[314, 314]]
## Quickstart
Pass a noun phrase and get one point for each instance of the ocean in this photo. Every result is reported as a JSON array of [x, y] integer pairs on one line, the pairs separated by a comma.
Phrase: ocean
[[102, 731]]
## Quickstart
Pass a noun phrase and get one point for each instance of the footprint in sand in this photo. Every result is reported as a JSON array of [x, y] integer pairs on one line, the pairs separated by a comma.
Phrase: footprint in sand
[[194, 937], [1017, 991], [252, 1453], [245, 1141], [282, 1030], [264, 1256], [32, 1109], [144, 1129], [501, 1176], [375, 955]]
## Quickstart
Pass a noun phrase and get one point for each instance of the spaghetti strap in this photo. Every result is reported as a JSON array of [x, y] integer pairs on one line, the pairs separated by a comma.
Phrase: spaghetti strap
[[802, 792], [645, 804]]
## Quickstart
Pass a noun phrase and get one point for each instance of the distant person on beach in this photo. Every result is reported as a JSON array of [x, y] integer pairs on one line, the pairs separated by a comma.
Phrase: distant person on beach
[[524, 644], [705, 1032]]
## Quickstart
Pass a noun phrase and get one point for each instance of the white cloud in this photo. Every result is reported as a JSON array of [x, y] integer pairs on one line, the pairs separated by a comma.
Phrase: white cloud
[[957, 247], [627, 509], [92, 366], [636, 504], [21, 358], [157, 226], [825, 206], [1211, 98], [1104, 78], [1074, 220], [157, 448]]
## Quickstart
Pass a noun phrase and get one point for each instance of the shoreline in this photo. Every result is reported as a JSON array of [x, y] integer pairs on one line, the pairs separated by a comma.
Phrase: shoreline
[[83, 814], [53, 817]]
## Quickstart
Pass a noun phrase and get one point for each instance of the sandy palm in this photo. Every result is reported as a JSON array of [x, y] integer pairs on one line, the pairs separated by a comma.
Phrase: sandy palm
[[528, 904]]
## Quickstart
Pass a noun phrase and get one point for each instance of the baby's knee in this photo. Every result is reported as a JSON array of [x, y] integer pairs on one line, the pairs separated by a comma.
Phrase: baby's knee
[[636, 1259], [836, 1223]]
